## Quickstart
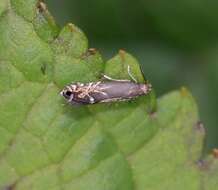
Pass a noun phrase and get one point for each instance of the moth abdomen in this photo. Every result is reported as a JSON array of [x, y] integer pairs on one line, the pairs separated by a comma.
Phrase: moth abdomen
[[121, 90]]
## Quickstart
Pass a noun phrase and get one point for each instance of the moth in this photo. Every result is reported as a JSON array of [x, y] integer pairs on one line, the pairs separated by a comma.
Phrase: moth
[[109, 90]]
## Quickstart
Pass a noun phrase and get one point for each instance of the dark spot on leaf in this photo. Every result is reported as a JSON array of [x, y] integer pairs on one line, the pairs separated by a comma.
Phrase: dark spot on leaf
[[89, 52], [200, 127], [10, 187], [43, 68], [71, 27], [59, 40], [203, 165], [153, 115], [215, 153], [92, 51], [122, 54], [41, 6]]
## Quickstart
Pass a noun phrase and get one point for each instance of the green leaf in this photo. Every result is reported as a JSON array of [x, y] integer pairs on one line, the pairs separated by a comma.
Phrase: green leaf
[[48, 144]]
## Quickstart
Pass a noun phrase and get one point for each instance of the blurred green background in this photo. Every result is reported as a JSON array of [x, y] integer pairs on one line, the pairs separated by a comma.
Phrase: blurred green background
[[176, 41]]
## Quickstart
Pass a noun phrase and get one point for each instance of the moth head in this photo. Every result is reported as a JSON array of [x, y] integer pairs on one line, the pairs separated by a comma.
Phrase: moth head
[[67, 93]]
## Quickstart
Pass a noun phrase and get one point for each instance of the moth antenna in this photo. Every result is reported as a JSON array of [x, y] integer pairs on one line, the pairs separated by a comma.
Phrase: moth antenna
[[143, 74], [71, 98], [111, 79], [130, 74], [107, 77]]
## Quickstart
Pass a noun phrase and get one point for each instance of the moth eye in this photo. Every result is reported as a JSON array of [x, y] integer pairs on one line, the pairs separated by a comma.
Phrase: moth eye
[[68, 93]]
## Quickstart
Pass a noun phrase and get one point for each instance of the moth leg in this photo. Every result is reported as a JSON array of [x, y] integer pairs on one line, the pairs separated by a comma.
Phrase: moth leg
[[111, 79], [100, 91], [130, 74], [143, 74], [85, 91], [76, 104], [71, 98], [96, 85], [91, 99], [120, 80]]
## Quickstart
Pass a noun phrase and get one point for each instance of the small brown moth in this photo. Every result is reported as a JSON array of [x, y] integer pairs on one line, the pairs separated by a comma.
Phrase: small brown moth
[[109, 90]]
